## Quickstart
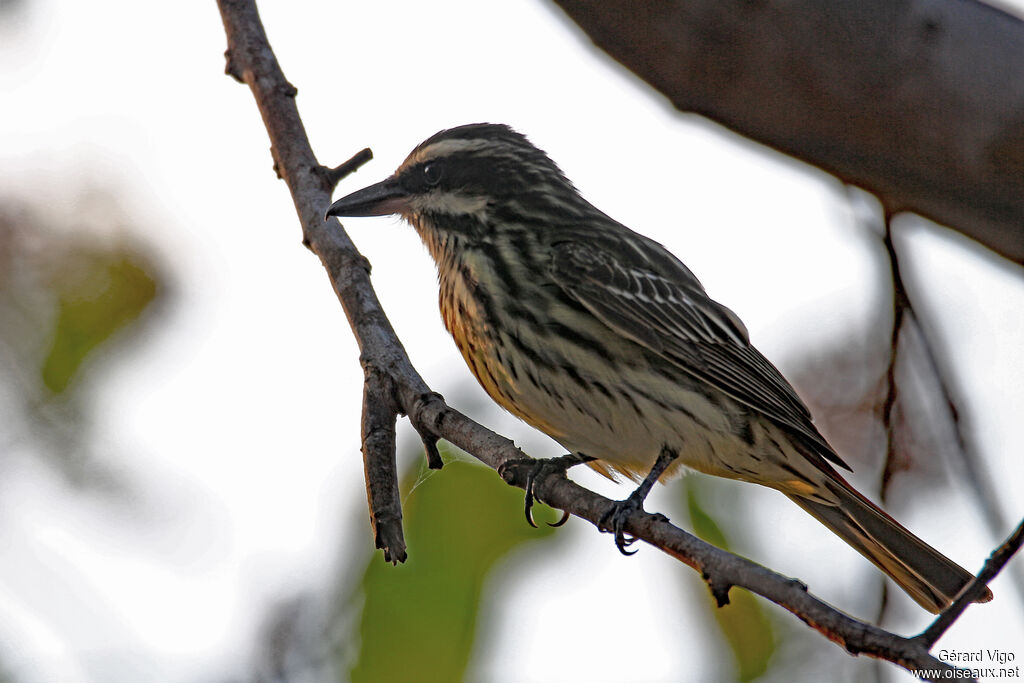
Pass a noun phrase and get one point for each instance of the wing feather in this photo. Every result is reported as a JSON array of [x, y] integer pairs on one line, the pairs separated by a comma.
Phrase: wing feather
[[653, 299]]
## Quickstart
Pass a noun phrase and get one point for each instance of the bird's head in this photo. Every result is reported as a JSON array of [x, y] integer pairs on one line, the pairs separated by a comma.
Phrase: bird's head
[[473, 171]]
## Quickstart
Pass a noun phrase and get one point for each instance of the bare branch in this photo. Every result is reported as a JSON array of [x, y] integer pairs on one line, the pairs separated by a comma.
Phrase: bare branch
[[390, 378], [335, 175], [393, 385], [900, 307], [972, 591], [379, 465]]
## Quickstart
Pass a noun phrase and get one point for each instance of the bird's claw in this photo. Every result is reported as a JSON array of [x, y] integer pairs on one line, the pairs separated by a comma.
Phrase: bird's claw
[[614, 518], [557, 466], [531, 479], [614, 521], [563, 520]]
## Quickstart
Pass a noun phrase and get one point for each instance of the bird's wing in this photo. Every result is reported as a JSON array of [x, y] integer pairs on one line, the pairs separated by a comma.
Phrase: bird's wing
[[654, 300]]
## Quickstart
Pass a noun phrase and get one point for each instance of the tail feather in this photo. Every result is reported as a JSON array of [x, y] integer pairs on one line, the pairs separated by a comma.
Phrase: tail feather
[[928, 576]]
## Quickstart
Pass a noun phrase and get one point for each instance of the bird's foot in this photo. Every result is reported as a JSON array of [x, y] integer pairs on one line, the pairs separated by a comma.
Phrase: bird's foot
[[614, 519], [557, 466]]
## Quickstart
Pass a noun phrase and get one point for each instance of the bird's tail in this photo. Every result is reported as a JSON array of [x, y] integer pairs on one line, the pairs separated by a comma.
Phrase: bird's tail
[[928, 576]]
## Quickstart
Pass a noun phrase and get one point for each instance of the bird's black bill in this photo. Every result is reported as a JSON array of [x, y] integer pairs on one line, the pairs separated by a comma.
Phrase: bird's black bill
[[382, 199]]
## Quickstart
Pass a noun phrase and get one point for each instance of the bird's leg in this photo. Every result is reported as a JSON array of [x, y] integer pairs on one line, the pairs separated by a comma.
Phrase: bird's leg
[[557, 466], [614, 520]]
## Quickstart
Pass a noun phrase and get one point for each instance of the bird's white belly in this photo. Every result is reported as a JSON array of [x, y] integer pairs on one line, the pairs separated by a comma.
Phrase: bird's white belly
[[628, 424]]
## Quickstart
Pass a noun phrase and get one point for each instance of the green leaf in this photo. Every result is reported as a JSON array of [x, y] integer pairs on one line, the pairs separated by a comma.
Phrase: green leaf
[[743, 623], [419, 619], [98, 293]]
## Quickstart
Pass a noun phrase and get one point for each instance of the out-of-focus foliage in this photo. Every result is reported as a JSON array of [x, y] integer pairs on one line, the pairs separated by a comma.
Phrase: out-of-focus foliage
[[64, 294], [419, 620], [98, 292], [743, 623]]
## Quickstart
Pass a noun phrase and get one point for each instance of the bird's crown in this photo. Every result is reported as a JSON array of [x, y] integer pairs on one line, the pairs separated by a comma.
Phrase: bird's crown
[[484, 160], [469, 170]]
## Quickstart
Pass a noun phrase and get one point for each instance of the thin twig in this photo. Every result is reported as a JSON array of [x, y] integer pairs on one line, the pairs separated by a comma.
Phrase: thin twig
[[251, 60], [973, 590], [335, 175], [900, 307]]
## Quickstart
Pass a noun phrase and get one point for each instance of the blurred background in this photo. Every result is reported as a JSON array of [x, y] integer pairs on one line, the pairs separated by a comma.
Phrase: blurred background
[[181, 488]]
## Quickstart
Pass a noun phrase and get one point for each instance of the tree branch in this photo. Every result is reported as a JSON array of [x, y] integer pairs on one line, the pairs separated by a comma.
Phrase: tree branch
[[917, 102], [972, 591], [393, 385], [337, 174], [380, 466], [900, 307]]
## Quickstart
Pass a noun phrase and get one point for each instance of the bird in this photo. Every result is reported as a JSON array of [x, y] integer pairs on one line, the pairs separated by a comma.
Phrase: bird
[[601, 338]]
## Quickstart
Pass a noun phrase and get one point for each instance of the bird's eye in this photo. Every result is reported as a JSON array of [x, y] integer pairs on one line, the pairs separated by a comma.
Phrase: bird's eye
[[432, 173]]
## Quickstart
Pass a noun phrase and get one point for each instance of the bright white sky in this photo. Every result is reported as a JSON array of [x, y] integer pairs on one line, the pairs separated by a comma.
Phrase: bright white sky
[[237, 420]]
